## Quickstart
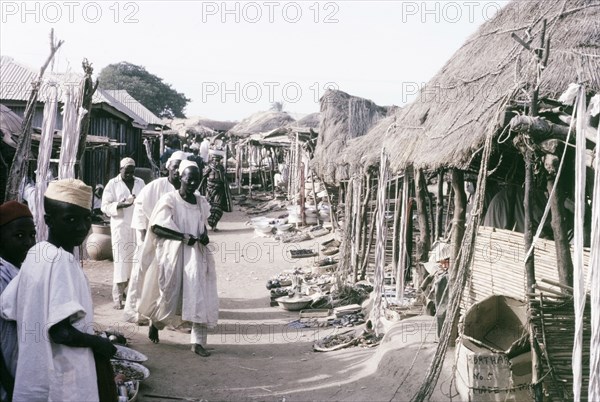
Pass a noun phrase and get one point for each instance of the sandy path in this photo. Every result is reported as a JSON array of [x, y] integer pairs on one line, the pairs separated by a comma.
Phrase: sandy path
[[256, 355]]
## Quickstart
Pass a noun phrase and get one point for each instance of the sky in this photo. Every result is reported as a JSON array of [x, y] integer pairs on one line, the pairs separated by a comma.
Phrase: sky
[[235, 58]]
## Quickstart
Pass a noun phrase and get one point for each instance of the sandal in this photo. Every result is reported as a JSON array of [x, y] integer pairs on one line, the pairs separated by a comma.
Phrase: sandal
[[199, 350]]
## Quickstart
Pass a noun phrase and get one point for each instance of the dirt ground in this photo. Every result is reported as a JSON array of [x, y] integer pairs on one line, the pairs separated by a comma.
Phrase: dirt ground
[[256, 356]]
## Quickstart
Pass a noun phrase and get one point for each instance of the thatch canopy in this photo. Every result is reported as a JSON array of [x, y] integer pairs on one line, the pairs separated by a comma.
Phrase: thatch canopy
[[307, 122], [464, 101], [343, 117], [261, 122]]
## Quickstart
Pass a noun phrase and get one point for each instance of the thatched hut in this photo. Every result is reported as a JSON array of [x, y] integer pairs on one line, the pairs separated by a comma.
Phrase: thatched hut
[[343, 117], [492, 110], [451, 116], [260, 122]]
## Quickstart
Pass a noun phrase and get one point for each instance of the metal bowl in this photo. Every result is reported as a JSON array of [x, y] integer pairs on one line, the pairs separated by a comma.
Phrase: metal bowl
[[294, 303]]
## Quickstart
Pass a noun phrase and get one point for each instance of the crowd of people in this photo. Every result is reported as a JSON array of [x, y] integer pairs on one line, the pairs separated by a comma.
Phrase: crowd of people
[[163, 273]]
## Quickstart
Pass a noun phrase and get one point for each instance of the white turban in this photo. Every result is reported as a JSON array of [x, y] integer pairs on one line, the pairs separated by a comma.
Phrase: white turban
[[127, 162], [176, 156], [186, 164], [71, 191]]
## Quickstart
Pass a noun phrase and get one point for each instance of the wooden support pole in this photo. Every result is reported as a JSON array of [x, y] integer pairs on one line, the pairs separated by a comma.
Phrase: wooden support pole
[[250, 172], [89, 88], [458, 220], [530, 265], [439, 206], [271, 165], [561, 239], [424, 241], [302, 196], [312, 181]]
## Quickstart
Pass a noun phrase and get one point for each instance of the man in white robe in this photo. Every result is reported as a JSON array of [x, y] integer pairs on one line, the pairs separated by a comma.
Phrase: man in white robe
[[117, 203], [51, 302], [180, 278], [143, 206], [204, 148]]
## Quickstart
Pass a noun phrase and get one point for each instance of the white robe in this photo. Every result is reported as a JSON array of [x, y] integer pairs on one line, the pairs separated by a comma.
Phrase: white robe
[[143, 207], [180, 280], [122, 235], [50, 287]]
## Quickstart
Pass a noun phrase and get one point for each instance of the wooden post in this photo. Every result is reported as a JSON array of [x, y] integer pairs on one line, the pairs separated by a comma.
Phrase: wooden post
[[424, 242], [302, 194], [312, 180], [250, 172], [271, 165], [439, 207], [458, 220], [561, 240], [89, 88]]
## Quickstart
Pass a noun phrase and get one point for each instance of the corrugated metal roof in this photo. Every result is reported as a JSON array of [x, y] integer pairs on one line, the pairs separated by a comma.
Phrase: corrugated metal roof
[[103, 96], [16, 79], [126, 99]]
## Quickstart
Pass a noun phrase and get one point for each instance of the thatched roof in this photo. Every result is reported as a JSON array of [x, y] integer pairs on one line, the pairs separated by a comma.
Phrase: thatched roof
[[261, 122], [455, 111], [309, 121], [343, 117]]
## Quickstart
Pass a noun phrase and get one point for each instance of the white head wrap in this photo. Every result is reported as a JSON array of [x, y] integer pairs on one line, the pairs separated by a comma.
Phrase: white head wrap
[[71, 191], [126, 162], [176, 156], [186, 164]]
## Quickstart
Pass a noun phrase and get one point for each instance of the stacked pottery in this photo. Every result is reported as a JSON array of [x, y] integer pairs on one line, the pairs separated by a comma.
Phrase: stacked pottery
[[98, 245]]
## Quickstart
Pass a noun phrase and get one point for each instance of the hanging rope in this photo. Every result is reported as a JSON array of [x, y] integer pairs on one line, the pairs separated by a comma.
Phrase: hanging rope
[[578, 277], [43, 162], [72, 115], [378, 288]]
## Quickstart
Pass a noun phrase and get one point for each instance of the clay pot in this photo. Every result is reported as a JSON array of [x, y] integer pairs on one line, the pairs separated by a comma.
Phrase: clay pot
[[98, 245]]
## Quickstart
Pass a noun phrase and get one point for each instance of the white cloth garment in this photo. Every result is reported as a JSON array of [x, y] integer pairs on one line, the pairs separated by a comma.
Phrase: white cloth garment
[[122, 235], [204, 147], [143, 207], [180, 280], [50, 287], [146, 201]]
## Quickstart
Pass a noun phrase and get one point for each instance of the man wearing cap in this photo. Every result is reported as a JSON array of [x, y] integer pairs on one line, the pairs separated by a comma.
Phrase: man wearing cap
[[17, 236], [51, 302], [117, 203], [142, 210], [181, 281], [217, 189]]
